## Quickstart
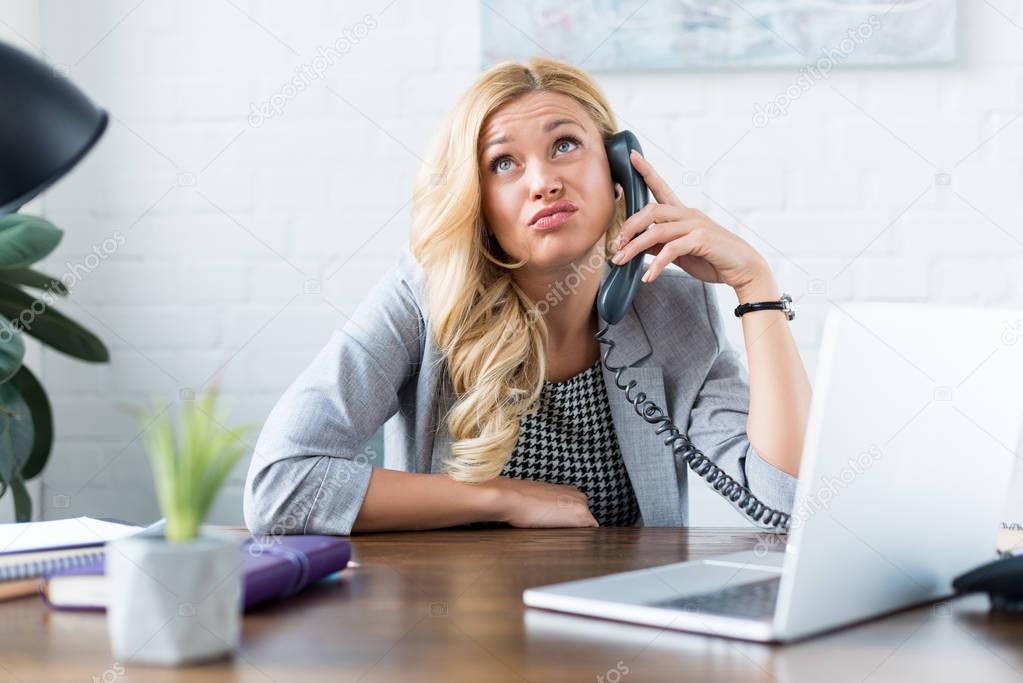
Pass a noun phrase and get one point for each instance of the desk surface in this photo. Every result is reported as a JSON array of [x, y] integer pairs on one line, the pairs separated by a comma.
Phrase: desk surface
[[447, 605]]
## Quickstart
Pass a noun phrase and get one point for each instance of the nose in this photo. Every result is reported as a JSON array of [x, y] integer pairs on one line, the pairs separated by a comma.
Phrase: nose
[[546, 184]]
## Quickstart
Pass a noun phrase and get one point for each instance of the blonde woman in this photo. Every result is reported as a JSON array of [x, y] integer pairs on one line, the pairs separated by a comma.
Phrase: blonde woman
[[478, 348]]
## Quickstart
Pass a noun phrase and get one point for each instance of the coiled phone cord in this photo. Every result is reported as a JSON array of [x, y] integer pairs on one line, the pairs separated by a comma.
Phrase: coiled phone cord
[[682, 448]]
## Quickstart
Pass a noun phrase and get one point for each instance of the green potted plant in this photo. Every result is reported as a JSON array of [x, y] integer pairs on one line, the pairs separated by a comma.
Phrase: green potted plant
[[26, 421], [177, 597]]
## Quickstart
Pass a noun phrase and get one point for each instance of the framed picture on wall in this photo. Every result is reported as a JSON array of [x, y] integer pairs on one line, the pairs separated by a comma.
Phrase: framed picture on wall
[[622, 35]]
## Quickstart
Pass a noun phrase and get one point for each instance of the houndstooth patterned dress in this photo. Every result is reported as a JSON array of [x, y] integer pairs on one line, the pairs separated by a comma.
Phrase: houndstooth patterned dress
[[571, 440]]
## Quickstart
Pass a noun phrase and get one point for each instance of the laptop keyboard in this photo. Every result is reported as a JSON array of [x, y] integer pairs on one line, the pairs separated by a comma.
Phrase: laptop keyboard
[[747, 601]]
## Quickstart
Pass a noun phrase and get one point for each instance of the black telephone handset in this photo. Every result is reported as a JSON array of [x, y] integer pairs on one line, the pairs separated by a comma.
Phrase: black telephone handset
[[620, 287], [613, 301]]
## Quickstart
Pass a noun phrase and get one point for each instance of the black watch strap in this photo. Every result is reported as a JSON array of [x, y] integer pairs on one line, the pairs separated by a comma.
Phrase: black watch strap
[[784, 304]]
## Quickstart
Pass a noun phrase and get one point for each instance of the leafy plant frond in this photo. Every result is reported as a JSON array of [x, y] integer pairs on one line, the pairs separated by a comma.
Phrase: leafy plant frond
[[25, 413], [33, 278], [25, 239], [190, 468]]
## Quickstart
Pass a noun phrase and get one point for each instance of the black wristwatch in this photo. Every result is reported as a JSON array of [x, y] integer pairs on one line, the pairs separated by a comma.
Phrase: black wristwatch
[[784, 304]]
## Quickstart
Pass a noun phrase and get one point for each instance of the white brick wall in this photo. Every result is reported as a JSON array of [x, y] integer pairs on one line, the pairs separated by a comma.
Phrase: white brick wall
[[225, 223]]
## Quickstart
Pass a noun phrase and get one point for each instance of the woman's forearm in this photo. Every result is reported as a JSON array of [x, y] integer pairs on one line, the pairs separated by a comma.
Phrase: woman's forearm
[[779, 387], [402, 501]]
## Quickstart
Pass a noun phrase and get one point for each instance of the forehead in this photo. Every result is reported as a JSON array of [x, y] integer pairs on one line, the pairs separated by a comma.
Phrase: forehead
[[533, 109]]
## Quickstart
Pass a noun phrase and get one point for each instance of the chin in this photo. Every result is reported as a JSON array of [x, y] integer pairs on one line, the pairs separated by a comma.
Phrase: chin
[[561, 249]]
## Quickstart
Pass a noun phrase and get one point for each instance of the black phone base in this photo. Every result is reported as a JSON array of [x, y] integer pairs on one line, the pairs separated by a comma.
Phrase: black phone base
[[1000, 579], [741, 498]]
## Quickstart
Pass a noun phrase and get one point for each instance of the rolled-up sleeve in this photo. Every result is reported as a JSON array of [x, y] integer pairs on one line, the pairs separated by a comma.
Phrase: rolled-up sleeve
[[305, 476], [717, 423]]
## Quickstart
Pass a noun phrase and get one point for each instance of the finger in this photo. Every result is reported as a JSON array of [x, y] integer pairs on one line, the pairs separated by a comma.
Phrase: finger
[[648, 215], [585, 518], [669, 252], [652, 237], [658, 186], [578, 498], [573, 490]]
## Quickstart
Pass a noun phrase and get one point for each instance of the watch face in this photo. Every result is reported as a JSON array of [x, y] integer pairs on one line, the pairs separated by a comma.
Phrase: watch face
[[786, 302]]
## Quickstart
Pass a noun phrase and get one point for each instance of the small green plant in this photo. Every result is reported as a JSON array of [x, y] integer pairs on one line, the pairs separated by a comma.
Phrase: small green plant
[[189, 471]]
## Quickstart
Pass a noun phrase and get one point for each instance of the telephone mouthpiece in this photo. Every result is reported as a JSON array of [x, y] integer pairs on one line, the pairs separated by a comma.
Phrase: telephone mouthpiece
[[618, 291]]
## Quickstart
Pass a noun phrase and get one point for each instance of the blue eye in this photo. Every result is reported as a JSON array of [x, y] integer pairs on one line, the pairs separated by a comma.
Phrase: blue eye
[[567, 138], [497, 162]]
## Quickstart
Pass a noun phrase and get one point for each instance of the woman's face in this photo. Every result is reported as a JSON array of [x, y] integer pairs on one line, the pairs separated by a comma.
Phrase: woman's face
[[537, 150]]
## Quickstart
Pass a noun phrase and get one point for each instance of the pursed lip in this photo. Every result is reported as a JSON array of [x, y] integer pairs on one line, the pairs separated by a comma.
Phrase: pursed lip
[[556, 207]]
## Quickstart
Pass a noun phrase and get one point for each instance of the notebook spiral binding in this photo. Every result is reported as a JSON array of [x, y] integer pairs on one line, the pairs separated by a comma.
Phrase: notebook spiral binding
[[53, 564]]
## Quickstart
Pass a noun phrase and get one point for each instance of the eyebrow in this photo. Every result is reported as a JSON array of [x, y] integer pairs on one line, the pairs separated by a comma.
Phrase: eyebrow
[[547, 128]]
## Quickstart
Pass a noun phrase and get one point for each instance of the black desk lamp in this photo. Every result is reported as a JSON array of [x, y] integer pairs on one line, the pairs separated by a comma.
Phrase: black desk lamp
[[46, 126]]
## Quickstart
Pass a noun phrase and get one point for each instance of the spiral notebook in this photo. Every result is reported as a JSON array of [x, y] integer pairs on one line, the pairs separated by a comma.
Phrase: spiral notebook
[[31, 549]]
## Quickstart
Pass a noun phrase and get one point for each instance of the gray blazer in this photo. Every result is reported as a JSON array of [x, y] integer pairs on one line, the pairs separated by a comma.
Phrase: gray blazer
[[306, 475]]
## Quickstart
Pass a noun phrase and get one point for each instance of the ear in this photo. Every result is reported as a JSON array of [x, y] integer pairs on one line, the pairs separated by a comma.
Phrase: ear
[[619, 192]]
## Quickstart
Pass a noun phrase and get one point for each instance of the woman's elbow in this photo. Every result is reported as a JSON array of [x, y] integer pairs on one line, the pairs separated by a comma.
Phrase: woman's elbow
[[259, 514], [270, 504], [304, 495]]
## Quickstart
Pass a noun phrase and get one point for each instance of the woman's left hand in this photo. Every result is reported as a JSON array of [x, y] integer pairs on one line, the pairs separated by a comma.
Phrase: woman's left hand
[[684, 236]]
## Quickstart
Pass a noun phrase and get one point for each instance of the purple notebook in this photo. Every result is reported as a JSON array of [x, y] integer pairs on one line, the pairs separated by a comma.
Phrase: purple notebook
[[273, 569]]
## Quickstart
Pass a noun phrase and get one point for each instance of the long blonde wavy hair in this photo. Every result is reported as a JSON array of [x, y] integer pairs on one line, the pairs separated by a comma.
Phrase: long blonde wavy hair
[[490, 333]]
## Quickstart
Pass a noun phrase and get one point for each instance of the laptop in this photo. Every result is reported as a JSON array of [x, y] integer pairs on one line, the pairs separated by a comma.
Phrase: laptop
[[913, 433]]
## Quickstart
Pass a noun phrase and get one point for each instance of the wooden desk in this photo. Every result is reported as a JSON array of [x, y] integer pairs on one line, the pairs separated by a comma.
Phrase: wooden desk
[[447, 605]]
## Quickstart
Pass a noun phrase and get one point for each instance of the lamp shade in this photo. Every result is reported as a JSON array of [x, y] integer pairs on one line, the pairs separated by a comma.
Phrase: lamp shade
[[46, 126]]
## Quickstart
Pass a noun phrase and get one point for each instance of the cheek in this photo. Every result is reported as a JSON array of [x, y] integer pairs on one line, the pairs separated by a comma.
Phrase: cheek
[[491, 205], [504, 206], [599, 190]]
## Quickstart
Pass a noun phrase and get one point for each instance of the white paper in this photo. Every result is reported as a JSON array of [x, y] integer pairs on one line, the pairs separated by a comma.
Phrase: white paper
[[60, 533]]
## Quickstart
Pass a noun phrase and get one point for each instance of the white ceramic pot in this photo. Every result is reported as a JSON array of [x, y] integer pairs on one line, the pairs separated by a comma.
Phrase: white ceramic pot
[[172, 603]]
